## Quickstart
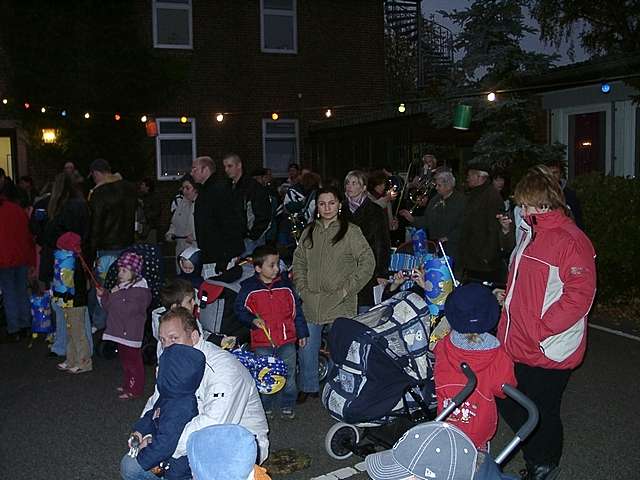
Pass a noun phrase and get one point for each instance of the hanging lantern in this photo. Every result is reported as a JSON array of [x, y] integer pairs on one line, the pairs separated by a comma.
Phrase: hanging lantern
[[462, 117], [49, 135], [152, 128]]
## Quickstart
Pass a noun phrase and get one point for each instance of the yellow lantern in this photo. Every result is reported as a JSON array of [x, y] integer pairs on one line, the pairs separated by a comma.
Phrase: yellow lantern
[[49, 135]]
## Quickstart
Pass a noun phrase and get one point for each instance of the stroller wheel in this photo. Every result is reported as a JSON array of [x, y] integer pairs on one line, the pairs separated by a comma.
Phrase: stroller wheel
[[340, 440], [323, 367]]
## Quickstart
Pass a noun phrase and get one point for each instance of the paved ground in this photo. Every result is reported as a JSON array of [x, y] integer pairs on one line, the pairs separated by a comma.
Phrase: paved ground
[[56, 425]]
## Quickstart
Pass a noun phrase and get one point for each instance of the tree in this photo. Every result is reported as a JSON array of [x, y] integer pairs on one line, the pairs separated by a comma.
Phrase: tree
[[494, 60], [604, 27]]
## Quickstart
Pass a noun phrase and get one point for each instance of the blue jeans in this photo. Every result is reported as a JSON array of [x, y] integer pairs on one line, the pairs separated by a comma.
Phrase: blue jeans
[[287, 396], [130, 469], [59, 346], [308, 358], [104, 260], [251, 245], [17, 309]]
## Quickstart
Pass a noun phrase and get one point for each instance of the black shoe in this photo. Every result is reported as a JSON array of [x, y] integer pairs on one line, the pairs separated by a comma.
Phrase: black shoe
[[303, 396], [540, 472]]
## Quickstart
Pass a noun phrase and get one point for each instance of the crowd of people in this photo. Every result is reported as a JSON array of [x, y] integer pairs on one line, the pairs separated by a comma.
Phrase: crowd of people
[[318, 247]]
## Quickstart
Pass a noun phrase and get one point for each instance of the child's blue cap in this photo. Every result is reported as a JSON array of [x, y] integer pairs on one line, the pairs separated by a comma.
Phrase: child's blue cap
[[472, 308]]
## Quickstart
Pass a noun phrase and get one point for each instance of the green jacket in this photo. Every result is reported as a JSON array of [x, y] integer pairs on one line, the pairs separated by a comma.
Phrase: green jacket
[[328, 277]]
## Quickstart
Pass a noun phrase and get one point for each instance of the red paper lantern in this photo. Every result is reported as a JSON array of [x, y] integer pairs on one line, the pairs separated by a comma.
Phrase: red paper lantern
[[152, 128]]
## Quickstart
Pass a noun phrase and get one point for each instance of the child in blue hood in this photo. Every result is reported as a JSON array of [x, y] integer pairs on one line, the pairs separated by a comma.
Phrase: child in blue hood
[[179, 375]]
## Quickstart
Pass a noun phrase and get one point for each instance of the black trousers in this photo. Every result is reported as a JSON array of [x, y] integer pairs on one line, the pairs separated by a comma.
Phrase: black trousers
[[545, 388]]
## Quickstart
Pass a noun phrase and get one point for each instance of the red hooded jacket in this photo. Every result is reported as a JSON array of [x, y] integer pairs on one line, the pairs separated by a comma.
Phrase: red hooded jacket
[[16, 242], [478, 415], [550, 290]]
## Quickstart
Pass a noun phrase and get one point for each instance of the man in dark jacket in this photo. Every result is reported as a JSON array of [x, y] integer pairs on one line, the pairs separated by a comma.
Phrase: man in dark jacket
[[479, 250], [218, 225], [112, 212], [252, 200]]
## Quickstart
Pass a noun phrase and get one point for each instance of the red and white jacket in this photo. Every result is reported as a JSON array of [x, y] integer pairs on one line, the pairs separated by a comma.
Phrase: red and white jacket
[[550, 290]]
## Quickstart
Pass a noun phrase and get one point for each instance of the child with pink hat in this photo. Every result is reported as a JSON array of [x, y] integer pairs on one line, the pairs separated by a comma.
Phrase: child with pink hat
[[126, 306]]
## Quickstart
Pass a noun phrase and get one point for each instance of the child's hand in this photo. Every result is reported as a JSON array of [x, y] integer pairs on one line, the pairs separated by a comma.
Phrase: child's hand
[[398, 279], [138, 435], [227, 342], [258, 323], [417, 275], [146, 441], [500, 294], [302, 342], [99, 291]]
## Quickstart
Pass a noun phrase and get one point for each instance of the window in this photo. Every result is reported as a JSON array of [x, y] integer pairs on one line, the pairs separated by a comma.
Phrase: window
[[172, 24], [279, 145], [279, 27], [175, 147]]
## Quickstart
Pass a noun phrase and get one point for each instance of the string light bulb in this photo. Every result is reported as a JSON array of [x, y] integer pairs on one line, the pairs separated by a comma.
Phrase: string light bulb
[[87, 115], [219, 117], [63, 113], [5, 101], [27, 105], [402, 108], [43, 109], [143, 119], [491, 96], [117, 117], [275, 116], [328, 113], [183, 119]]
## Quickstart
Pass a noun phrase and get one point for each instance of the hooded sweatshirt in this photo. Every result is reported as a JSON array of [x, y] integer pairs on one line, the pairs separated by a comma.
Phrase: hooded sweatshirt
[[179, 375], [478, 415]]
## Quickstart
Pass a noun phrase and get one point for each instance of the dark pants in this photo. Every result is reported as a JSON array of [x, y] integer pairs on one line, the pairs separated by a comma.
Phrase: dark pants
[[132, 369], [545, 388]]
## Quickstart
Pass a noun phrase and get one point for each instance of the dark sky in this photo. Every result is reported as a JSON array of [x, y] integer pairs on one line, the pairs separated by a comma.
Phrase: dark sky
[[529, 43]]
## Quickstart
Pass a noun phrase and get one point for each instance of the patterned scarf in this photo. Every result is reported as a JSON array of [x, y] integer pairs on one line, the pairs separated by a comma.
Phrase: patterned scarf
[[356, 202]]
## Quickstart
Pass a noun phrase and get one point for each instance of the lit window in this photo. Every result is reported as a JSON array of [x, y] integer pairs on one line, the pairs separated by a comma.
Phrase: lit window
[[175, 147], [279, 145], [172, 24], [279, 27]]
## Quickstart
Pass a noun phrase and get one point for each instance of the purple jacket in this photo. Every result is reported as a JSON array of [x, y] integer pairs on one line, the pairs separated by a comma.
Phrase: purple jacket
[[126, 314]]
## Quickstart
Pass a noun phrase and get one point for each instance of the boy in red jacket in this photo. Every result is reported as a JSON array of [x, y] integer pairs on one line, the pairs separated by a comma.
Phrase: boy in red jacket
[[472, 311], [268, 301]]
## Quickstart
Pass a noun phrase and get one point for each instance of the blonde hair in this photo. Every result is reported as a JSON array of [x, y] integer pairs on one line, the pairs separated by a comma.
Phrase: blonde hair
[[539, 188], [358, 175]]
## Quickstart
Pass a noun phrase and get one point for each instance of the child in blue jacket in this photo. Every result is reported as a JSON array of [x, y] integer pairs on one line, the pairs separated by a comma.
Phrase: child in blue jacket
[[268, 300], [179, 375]]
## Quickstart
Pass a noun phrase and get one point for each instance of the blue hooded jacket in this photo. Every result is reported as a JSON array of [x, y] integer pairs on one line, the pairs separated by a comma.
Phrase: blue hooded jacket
[[179, 375]]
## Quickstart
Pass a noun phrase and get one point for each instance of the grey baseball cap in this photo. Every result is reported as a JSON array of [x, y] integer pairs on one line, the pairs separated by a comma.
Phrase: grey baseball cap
[[432, 450]]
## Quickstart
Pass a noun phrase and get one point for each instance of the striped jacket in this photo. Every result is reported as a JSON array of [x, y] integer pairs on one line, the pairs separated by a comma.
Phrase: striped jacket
[[550, 290]]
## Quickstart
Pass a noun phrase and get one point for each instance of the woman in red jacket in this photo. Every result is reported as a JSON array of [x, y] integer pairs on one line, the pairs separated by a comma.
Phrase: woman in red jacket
[[543, 327], [17, 254]]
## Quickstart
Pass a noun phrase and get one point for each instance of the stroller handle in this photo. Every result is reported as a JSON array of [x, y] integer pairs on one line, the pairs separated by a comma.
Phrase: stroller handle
[[526, 429], [463, 394]]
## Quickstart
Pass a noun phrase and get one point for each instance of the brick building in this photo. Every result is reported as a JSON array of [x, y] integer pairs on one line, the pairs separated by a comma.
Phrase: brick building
[[247, 60]]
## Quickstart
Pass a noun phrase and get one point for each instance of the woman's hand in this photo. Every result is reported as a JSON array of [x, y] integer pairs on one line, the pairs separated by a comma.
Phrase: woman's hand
[[505, 223], [302, 342], [382, 281], [393, 224], [398, 279], [100, 291]]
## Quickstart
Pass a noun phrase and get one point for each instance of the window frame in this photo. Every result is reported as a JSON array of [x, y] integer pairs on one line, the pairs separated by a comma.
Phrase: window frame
[[265, 137], [173, 136], [294, 14], [155, 4]]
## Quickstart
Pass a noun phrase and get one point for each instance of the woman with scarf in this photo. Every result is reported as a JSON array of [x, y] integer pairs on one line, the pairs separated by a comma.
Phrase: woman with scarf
[[370, 217]]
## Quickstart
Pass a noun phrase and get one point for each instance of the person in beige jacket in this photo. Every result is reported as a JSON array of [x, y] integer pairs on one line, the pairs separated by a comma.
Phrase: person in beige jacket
[[332, 263]]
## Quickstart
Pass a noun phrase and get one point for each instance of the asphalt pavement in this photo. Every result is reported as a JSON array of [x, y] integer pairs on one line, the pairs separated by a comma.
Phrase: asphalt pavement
[[63, 426]]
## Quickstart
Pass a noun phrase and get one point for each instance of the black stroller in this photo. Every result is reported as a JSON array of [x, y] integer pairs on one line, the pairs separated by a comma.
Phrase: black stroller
[[382, 379], [440, 450]]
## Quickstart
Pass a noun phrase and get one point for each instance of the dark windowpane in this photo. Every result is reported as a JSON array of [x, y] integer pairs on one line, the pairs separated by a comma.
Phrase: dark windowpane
[[279, 4], [175, 127], [278, 32], [587, 142], [175, 157], [183, 2], [279, 153], [173, 26], [281, 128]]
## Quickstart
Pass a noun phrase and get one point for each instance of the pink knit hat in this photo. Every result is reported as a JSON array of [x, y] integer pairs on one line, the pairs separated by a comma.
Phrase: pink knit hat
[[131, 261]]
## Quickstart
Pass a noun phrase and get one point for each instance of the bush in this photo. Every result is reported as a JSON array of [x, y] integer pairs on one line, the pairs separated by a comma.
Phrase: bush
[[610, 208]]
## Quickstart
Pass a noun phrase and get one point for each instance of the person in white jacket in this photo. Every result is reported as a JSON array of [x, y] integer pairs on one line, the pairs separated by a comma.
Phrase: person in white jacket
[[182, 229], [226, 395]]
